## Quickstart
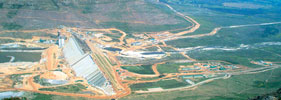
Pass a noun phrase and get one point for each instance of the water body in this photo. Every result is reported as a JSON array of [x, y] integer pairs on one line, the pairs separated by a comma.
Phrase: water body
[[23, 48], [112, 49], [9, 94], [56, 82], [20, 56], [12, 58]]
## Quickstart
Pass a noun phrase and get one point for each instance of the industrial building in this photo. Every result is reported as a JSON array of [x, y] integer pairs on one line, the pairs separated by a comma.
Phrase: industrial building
[[78, 57], [142, 54], [193, 76]]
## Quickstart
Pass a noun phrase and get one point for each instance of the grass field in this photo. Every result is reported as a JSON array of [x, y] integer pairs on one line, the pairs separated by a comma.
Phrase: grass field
[[153, 78], [271, 49], [26, 35], [238, 87], [40, 81], [165, 84], [141, 79], [11, 26], [151, 49], [210, 15], [233, 37], [132, 61], [17, 78], [167, 49], [170, 67], [241, 57], [38, 96], [136, 16], [2, 41], [143, 69], [175, 56], [76, 88], [131, 28], [130, 16], [115, 35]]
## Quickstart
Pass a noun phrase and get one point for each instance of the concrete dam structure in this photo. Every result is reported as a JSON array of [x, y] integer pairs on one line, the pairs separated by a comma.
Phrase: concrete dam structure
[[84, 66]]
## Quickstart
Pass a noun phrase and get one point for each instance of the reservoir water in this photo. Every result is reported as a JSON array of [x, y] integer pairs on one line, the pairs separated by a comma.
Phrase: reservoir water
[[20, 56], [112, 49]]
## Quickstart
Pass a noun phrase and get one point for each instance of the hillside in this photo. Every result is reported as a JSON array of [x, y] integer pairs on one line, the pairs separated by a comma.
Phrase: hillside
[[127, 15], [274, 95]]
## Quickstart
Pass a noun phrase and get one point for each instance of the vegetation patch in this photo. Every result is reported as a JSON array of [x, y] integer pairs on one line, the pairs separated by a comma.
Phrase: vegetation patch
[[243, 5], [12, 13], [175, 56], [130, 78], [276, 95], [75, 88], [17, 78], [151, 49], [165, 84], [11, 26], [170, 67], [2, 41], [238, 87], [152, 78], [40, 81], [39, 96], [26, 35], [15, 98], [143, 69], [264, 84], [241, 57], [167, 49], [114, 36], [87, 9], [130, 28], [1, 5]]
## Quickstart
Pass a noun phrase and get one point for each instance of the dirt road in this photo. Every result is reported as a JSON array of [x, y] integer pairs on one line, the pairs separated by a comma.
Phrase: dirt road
[[195, 24]]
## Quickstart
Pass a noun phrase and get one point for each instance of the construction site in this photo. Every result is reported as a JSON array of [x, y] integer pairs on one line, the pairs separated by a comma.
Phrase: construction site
[[107, 64], [81, 64]]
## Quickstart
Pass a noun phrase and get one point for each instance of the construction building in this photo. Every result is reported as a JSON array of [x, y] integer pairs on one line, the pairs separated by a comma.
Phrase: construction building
[[61, 42], [78, 57]]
